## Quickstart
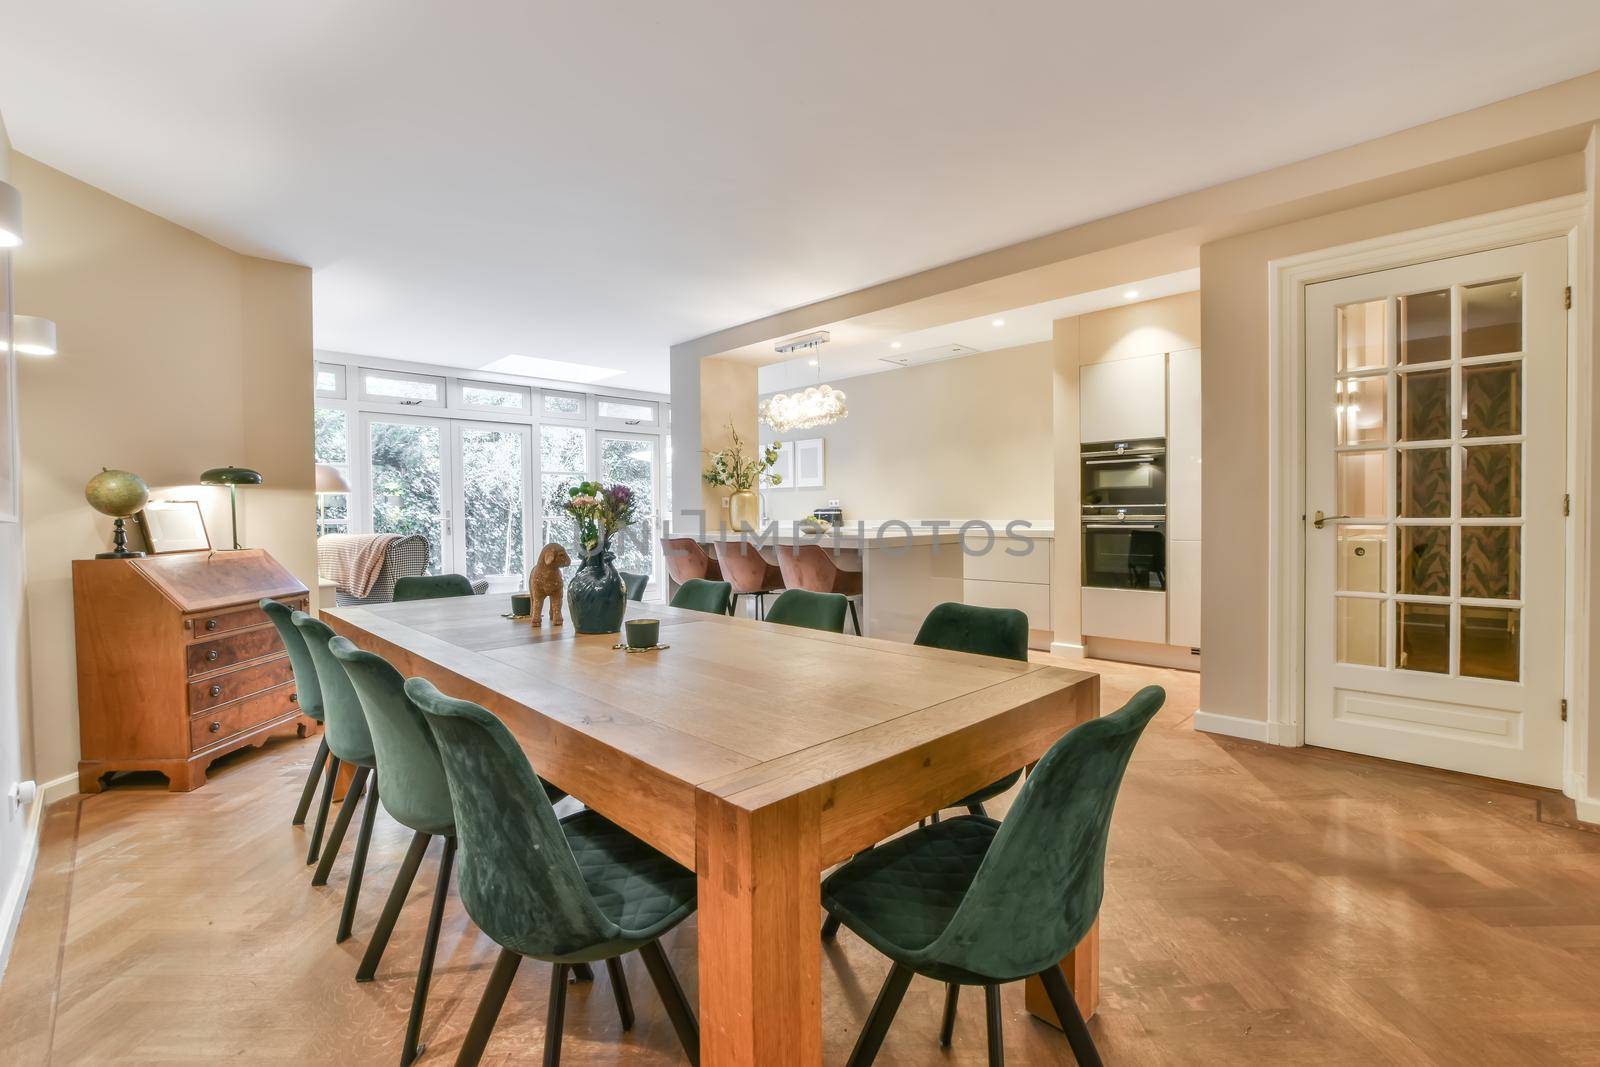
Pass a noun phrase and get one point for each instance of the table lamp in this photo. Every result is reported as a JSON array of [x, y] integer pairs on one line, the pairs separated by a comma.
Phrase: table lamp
[[232, 477], [329, 480]]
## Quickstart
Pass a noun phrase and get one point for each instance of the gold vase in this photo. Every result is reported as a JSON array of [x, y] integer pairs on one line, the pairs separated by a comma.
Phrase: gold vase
[[744, 510]]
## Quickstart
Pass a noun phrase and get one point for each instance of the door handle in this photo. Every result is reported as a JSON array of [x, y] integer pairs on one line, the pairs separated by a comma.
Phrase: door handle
[[1319, 520]]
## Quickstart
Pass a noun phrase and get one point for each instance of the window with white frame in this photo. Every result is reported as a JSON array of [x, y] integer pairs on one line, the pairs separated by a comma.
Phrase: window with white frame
[[328, 379], [626, 412], [397, 387], [490, 396], [555, 404], [332, 437]]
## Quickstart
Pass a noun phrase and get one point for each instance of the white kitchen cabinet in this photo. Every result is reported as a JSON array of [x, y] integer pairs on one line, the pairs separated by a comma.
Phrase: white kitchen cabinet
[[1183, 447], [1183, 593], [1123, 400], [1030, 599], [1126, 614]]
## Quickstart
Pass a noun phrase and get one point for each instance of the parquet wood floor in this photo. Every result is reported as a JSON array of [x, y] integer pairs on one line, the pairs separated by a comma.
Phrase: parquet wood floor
[[1264, 906]]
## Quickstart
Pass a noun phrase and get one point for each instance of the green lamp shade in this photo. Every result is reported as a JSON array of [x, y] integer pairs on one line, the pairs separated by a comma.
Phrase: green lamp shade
[[230, 476]]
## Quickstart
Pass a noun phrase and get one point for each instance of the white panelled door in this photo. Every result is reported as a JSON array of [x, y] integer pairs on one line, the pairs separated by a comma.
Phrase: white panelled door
[[1435, 539]]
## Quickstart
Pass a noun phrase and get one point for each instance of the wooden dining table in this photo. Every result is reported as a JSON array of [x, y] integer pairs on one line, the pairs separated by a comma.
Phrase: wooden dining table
[[756, 754]]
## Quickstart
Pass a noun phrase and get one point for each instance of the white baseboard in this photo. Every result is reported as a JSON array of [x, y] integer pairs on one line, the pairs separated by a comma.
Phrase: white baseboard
[[1173, 657], [16, 894], [1062, 648], [1232, 726], [56, 788], [1587, 810]]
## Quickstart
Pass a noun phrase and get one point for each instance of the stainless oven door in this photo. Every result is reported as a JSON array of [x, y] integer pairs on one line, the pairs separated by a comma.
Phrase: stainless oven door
[[1131, 478], [1125, 555]]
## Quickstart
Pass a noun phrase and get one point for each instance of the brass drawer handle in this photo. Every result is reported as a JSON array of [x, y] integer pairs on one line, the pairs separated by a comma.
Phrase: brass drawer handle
[[216, 690], [294, 698], [216, 725], [211, 656], [211, 624]]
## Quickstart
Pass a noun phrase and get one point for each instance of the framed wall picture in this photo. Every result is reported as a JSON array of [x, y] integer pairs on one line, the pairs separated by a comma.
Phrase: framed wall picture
[[174, 526], [808, 467], [784, 468]]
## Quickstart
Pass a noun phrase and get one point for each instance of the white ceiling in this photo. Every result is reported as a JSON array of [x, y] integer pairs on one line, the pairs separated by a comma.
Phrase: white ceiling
[[842, 357], [592, 182]]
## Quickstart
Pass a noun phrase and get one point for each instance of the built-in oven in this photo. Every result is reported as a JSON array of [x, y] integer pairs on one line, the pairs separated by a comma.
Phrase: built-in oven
[[1127, 477], [1128, 553]]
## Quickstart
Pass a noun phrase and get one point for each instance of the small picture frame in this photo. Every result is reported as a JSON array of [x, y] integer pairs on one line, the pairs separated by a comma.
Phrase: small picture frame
[[174, 526]]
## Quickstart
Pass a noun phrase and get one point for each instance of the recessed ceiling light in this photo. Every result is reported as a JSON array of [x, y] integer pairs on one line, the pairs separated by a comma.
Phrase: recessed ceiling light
[[1131, 294], [559, 369], [998, 322], [894, 344]]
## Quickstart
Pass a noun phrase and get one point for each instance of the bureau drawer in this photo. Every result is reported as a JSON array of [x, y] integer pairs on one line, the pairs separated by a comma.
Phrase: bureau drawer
[[222, 688], [237, 617], [226, 651], [210, 727]]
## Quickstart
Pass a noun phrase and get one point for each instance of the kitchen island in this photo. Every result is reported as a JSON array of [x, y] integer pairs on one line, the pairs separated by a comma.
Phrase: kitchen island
[[909, 568]]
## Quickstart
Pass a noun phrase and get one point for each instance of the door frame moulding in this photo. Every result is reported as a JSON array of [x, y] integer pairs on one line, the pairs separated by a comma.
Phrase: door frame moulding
[[1287, 279]]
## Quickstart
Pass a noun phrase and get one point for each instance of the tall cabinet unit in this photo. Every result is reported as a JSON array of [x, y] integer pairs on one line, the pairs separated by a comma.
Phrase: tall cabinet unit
[[1183, 498]]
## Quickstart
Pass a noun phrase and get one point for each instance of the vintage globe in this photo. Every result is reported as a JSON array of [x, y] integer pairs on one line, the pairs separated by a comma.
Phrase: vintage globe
[[116, 493]]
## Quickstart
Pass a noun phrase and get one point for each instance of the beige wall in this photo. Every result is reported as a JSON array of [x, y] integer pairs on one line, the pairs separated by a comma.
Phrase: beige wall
[[1171, 324], [963, 439], [727, 392], [177, 354], [1236, 407]]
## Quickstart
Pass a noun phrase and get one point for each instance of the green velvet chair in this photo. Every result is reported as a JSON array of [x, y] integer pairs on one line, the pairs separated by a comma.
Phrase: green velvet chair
[[431, 586], [635, 584], [998, 632], [568, 892], [349, 741], [702, 594], [814, 611], [417, 796], [308, 695], [972, 901]]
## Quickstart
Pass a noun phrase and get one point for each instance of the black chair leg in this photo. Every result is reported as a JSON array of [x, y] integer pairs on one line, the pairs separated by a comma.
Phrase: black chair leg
[[671, 993], [733, 604], [619, 989], [391, 908], [997, 1047], [855, 620], [977, 809], [555, 1021], [310, 790], [430, 945], [358, 866], [329, 773], [830, 928], [580, 972], [947, 1028], [347, 811], [1072, 1024], [883, 1009], [494, 997]]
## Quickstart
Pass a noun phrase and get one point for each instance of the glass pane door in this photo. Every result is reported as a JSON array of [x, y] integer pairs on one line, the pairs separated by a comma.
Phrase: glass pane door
[[563, 463], [492, 470], [407, 490], [633, 460]]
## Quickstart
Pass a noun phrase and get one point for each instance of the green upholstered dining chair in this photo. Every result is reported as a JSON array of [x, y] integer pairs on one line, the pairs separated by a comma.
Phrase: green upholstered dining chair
[[702, 594], [814, 611], [568, 892], [972, 901], [431, 586], [349, 741], [308, 695], [635, 584], [416, 795], [999, 632]]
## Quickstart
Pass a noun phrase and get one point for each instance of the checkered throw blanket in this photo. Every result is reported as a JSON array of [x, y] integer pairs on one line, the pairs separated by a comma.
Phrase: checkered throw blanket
[[352, 562]]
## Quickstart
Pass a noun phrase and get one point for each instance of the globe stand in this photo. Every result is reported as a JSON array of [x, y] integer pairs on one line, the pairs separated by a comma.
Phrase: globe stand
[[119, 545]]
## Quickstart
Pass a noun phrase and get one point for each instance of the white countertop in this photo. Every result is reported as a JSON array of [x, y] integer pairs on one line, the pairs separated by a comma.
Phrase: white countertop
[[890, 533]]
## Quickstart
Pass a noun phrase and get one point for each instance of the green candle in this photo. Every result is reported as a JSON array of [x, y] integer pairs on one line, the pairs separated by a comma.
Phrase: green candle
[[643, 633]]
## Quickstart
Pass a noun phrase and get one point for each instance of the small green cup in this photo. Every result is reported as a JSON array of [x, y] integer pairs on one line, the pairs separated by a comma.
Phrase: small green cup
[[521, 604], [643, 633]]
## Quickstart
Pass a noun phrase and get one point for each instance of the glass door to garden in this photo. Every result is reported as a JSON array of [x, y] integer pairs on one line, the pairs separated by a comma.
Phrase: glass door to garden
[[634, 460], [465, 486]]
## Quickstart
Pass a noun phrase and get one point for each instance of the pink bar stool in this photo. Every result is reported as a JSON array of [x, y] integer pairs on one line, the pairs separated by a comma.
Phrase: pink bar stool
[[747, 569], [814, 568], [688, 558]]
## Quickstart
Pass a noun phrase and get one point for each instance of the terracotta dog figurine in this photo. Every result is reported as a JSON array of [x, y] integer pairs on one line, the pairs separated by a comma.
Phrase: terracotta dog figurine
[[545, 581]]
